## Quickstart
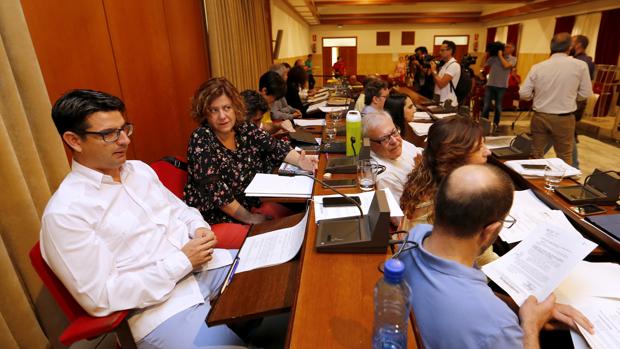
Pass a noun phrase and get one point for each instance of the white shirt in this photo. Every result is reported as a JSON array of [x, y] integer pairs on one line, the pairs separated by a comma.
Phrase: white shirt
[[396, 170], [453, 69], [118, 246], [555, 84]]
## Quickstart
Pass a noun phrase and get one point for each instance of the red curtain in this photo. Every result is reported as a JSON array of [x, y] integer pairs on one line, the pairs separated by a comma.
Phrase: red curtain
[[607, 48], [490, 35], [513, 35], [564, 24]]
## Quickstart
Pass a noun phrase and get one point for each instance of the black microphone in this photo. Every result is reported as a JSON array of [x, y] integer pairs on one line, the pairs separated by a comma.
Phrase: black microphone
[[353, 146], [293, 174]]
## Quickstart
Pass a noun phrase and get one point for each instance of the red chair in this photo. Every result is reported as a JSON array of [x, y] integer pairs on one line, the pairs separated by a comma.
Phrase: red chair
[[172, 172], [82, 325]]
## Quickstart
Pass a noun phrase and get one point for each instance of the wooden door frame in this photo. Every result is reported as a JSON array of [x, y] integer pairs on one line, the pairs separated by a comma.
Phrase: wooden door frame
[[329, 69]]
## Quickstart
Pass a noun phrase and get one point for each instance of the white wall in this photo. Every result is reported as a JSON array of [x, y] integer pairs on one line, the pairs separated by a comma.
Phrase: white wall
[[296, 32], [367, 37]]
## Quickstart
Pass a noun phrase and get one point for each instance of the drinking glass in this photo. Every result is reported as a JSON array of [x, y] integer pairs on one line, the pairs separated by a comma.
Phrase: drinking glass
[[367, 174], [553, 176]]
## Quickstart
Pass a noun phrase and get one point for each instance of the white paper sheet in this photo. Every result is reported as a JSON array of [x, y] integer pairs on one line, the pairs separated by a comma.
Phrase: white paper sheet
[[589, 279], [321, 213], [498, 141], [578, 341], [553, 162], [272, 185], [326, 109], [539, 263], [221, 258], [316, 106], [604, 314], [309, 122], [420, 129], [273, 248], [443, 115], [421, 115], [530, 212]]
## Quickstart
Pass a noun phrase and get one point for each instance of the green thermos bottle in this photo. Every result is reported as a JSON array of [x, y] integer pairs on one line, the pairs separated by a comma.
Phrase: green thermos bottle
[[354, 129]]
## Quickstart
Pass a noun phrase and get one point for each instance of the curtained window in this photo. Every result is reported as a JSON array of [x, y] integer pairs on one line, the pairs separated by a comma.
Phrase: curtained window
[[607, 48], [513, 35], [564, 24], [490, 35]]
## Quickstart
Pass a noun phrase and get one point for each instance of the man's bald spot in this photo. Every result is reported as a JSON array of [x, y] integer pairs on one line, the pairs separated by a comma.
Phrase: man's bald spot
[[468, 180]]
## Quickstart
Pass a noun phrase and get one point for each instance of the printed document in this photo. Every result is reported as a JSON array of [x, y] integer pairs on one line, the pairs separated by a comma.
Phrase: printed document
[[221, 258], [273, 248], [604, 314], [420, 129], [272, 185], [309, 122], [322, 213], [539, 263], [553, 162]]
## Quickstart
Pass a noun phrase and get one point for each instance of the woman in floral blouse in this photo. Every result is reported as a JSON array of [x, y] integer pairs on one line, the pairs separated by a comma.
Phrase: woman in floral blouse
[[224, 154]]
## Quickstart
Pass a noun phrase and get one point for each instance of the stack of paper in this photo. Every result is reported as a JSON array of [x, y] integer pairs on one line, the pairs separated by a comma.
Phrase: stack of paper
[[421, 115], [322, 213], [287, 168], [420, 129], [326, 109], [539, 263], [529, 213], [273, 248], [498, 141], [271, 185], [309, 122], [594, 289], [443, 115], [316, 106], [552, 162]]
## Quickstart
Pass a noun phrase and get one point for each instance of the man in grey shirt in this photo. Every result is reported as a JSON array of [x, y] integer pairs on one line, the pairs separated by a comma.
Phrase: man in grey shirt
[[500, 65]]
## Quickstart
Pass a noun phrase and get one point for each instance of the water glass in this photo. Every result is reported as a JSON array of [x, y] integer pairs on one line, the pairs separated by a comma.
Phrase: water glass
[[330, 130], [553, 176], [367, 174]]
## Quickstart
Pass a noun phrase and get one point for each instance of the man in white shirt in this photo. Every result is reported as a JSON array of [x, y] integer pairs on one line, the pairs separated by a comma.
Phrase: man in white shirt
[[118, 239], [390, 150], [375, 94], [555, 85], [450, 72]]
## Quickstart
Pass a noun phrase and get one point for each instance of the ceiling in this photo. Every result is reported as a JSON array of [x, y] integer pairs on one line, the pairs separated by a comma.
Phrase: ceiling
[[343, 12]]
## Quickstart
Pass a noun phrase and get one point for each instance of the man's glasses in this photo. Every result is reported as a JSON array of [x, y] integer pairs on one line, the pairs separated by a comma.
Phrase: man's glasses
[[386, 139], [112, 135], [509, 221]]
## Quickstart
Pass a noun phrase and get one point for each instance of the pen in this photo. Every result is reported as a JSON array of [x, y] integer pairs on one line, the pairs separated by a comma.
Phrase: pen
[[231, 273]]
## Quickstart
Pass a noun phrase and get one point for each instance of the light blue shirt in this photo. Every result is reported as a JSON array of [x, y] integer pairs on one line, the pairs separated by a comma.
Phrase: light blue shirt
[[453, 305]]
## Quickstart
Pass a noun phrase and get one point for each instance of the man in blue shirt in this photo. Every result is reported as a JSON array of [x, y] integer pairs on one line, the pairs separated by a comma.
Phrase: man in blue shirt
[[453, 305]]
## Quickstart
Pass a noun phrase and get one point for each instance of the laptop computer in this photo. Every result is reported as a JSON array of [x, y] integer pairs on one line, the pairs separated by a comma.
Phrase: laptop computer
[[520, 148], [600, 187]]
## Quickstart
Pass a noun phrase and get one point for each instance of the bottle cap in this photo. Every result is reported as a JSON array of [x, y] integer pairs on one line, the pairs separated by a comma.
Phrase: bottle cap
[[393, 270]]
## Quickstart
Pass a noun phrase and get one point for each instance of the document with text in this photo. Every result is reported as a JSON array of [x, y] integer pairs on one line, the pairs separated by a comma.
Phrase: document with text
[[539, 263], [321, 212], [604, 314], [273, 248]]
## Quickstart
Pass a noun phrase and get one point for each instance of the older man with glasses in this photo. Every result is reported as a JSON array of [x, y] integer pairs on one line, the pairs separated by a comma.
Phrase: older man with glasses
[[390, 150]]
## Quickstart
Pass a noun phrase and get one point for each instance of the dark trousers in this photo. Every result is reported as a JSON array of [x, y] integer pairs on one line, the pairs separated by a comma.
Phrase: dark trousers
[[496, 94], [311, 81]]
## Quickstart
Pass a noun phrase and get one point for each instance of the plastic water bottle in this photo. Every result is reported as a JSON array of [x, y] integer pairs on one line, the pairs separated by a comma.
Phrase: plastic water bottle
[[354, 129], [391, 308]]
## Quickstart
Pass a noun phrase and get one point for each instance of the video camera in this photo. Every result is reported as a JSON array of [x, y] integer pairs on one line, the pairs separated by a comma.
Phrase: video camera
[[493, 48], [468, 60]]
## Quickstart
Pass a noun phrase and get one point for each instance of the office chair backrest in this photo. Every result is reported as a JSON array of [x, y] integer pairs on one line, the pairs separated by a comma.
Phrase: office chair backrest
[[172, 172], [65, 300]]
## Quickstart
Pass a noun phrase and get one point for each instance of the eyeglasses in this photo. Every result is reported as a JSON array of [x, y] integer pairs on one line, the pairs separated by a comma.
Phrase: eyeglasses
[[386, 139], [509, 221], [111, 135]]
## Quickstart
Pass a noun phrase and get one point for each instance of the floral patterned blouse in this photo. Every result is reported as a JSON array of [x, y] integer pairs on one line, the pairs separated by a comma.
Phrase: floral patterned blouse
[[218, 175]]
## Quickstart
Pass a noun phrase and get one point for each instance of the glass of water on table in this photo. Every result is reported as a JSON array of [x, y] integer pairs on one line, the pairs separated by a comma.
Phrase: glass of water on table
[[553, 176]]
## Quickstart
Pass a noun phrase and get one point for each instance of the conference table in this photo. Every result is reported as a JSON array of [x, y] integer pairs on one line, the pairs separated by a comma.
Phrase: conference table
[[330, 295]]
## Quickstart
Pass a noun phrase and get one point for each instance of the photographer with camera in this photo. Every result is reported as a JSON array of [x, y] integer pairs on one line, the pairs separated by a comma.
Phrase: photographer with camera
[[421, 71], [500, 61], [450, 71]]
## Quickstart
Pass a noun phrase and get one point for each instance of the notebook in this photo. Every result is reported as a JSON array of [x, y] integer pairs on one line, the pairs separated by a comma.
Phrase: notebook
[[609, 223]]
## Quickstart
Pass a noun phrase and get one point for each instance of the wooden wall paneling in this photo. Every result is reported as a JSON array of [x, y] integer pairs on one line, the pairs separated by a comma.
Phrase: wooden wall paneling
[[187, 36], [146, 73], [73, 47], [327, 61], [349, 55]]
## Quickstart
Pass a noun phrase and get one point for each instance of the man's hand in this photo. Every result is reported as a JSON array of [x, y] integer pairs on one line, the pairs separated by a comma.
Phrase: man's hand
[[500, 53], [199, 250], [564, 316], [535, 315], [433, 67], [297, 113]]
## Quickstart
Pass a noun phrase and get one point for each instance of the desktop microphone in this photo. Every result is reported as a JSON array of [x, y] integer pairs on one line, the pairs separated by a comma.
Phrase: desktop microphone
[[353, 146]]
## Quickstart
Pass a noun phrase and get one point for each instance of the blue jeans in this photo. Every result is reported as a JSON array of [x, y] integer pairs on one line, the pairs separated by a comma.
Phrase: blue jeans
[[496, 94]]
